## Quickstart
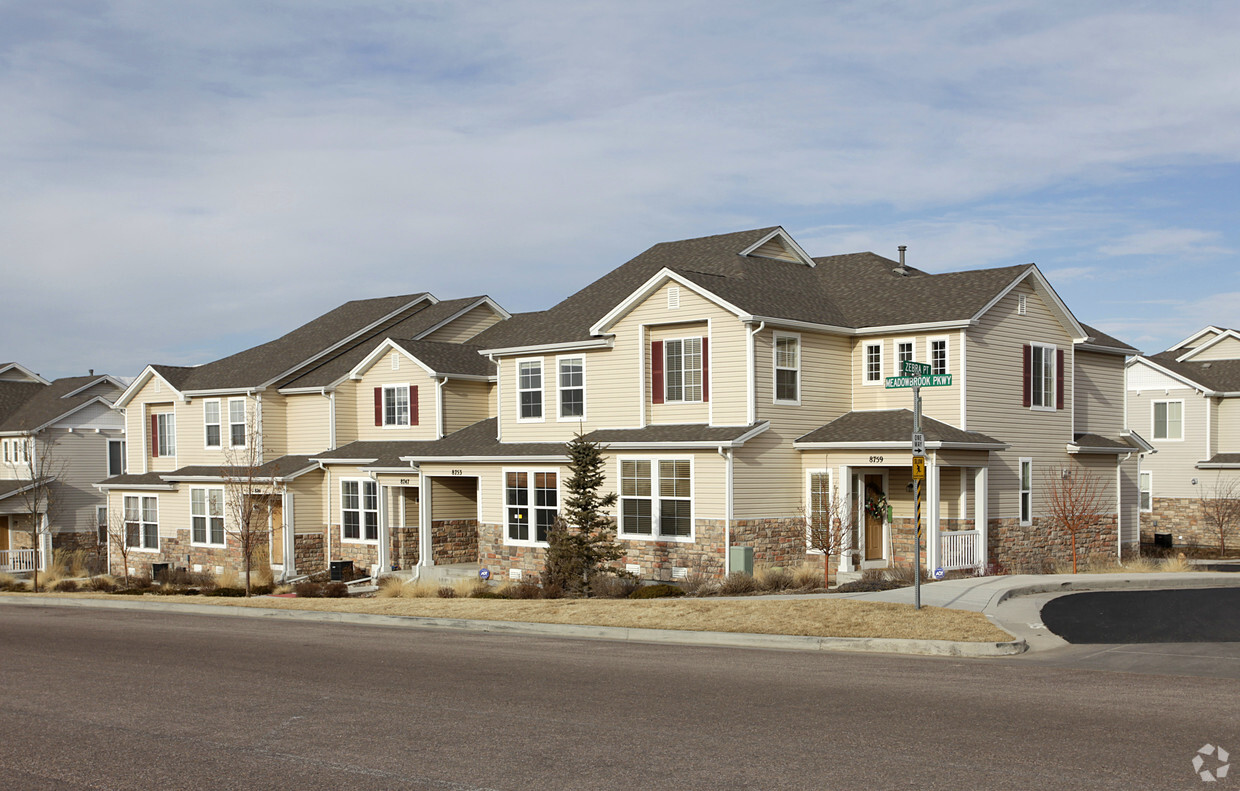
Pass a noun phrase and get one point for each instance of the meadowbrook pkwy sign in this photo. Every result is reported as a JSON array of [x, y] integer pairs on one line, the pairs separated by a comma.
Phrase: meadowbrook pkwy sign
[[936, 380]]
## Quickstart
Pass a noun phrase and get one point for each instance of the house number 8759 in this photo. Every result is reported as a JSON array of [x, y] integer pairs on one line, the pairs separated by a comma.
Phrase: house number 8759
[[876, 460]]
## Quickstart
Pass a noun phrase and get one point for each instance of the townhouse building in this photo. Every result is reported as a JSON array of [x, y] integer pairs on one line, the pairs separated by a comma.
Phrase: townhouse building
[[1186, 402], [57, 438], [738, 387]]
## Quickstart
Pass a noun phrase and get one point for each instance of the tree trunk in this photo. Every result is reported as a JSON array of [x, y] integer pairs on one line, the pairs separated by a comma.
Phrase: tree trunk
[[826, 570]]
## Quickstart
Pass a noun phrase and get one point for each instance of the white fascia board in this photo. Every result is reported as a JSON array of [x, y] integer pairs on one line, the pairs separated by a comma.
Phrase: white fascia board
[[1218, 465], [900, 445], [780, 232], [1093, 347], [139, 383], [358, 462], [136, 487], [222, 391], [1178, 377], [1196, 335], [503, 314], [379, 353], [1074, 327], [391, 470], [18, 366], [926, 326], [94, 382], [79, 408], [643, 292], [324, 390], [1197, 349], [1142, 445], [544, 348], [794, 324], [423, 298], [415, 460], [1074, 449]]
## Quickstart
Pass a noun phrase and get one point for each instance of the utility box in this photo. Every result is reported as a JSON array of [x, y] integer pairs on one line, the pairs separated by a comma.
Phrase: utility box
[[1163, 540], [741, 559], [338, 569]]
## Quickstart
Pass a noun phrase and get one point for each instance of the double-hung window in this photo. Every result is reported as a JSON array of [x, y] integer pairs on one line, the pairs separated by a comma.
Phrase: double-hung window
[[116, 457], [873, 362], [396, 405], [532, 503], [787, 369], [1042, 376], [101, 523], [572, 388], [682, 369], [656, 498], [236, 422], [530, 390], [1145, 486], [164, 440], [904, 354], [938, 356], [211, 422], [206, 510], [359, 510], [142, 522], [1168, 420], [1026, 491]]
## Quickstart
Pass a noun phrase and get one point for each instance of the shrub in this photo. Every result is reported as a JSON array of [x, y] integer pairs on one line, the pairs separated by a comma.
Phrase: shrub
[[808, 576], [308, 589], [128, 591], [773, 579], [620, 586], [660, 590], [335, 590], [65, 586], [390, 588], [523, 590], [11, 584], [102, 583], [487, 594], [737, 582], [699, 583], [221, 591], [447, 592], [864, 585]]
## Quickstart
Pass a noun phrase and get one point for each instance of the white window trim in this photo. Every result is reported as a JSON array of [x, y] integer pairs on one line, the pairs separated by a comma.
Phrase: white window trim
[[912, 344], [542, 391], [809, 500], [223, 516], [1151, 491], [408, 388], [1153, 406], [101, 523], [219, 424], [1054, 350], [166, 416], [775, 369], [361, 511], [947, 352], [125, 521], [655, 535], [558, 403], [701, 373], [124, 461], [1020, 487], [530, 506], [244, 418], [865, 362]]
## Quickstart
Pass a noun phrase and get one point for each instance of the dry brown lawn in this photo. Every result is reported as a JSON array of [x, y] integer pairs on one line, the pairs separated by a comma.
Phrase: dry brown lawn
[[817, 617]]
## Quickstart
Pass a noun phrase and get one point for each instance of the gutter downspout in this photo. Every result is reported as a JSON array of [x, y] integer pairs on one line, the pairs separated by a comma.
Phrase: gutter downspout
[[726, 453], [439, 406], [327, 542], [752, 385], [1119, 507], [331, 419], [258, 425]]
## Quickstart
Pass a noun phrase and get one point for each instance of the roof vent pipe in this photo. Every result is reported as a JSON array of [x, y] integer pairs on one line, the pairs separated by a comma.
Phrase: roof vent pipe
[[900, 270]]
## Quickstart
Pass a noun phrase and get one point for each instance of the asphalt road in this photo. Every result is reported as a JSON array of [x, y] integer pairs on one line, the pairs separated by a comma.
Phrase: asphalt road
[[118, 700], [1195, 615]]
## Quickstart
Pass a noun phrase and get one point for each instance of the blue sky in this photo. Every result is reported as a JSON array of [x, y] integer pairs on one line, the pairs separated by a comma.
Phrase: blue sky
[[183, 180]]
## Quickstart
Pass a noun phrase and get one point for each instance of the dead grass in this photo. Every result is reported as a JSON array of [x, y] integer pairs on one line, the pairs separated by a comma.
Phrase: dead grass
[[228, 579], [817, 617], [1141, 565]]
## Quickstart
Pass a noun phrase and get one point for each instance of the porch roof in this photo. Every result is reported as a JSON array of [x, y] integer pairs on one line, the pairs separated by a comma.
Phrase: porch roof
[[479, 443], [146, 480], [10, 488], [281, 468], [372, 453], [678, 435], [1097, 443], [1220, 461], [892, 427]]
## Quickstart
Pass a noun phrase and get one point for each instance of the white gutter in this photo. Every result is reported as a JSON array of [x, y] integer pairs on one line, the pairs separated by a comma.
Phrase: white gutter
[[258, 426], [751, 384], [331, 420], [593, 343], [439, 428], [727, 522]]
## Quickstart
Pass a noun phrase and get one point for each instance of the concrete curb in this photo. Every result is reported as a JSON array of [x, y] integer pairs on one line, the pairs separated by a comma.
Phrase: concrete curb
[[1121, 582], [614, 633]]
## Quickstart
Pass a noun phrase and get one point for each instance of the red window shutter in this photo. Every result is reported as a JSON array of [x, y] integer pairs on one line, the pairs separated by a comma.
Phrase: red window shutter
[[1059, 380], [705, 371], [656, 372], [154, 435], [378, 406], [1028, 375], [413, 406]]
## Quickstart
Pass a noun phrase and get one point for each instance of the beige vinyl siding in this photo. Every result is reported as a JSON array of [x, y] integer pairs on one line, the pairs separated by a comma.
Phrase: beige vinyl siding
[[466, 402], [161, 463], [137, 423], [1175, 464], [1204, 338], [461, 329], [380, 374], [329, 493], [1226, 349], [486, 480], [274, 426], [95, 416], [191, 432], [768, 477], [774, 248], [84, 460], [826, 387], [1228, 422], [455, 498], [676, 412], [941, 403], [611, 394], [1212, 410], [1098, 398], [307, 420], [309, 499], [1129, 511], [995, 395], [173, 514], [349, 400]]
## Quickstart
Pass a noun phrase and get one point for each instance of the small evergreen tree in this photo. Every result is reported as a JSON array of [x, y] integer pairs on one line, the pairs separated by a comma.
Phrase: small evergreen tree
[[581, 542]]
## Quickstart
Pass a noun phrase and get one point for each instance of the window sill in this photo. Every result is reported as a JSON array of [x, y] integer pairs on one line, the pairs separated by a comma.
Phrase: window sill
[[371, 541], [778, 402], [144, 549], [196, 545], [514, 542], [663, 539]]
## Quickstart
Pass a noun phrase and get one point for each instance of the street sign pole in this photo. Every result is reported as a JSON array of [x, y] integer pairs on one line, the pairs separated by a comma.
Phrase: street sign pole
[[916, 504]]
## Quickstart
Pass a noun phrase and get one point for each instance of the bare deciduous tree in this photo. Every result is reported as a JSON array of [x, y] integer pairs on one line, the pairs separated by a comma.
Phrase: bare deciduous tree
[[829, 524], [1220, 508], [1075, 500], [248, 494], [119, 538], [36, 463]]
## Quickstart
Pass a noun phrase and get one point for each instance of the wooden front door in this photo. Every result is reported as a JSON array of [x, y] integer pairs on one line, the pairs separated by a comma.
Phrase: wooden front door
[[4, 533], [277, 532], [873, 523]]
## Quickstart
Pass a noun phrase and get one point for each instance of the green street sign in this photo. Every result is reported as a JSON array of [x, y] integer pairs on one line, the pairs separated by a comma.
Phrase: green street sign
[[938, 380], [910, 368]]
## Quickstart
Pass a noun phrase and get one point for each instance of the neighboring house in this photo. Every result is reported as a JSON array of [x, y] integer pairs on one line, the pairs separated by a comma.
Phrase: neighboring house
[[66, 433], [736, 383], [263, 412], [1186, 402]]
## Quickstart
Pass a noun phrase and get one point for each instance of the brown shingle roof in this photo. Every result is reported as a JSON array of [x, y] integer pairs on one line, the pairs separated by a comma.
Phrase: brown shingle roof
[[43, 403], [479, 440], [891, 425], [679, 433], [1099, 338], [1220, 375], [450, 358]]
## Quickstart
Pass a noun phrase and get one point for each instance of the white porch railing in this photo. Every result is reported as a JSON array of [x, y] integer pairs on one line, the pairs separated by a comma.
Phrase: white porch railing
[[961, 549], [17, 560]]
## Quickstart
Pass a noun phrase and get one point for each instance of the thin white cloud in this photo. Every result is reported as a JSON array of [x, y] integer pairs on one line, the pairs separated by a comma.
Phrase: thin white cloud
[[1186, 242]]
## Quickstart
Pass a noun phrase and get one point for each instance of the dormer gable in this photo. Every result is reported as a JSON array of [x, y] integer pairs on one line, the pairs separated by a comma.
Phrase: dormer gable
[[778, 246], [652, 286], [1199, 337], [1042, 288], [16, 372], [1224, 345], [148, 374]]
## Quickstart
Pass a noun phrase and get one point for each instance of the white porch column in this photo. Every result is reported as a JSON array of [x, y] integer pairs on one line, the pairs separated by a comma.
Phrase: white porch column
[[844, 487], [424, 521], [981, 490], [933, 508], [385, 533], [289, 515]]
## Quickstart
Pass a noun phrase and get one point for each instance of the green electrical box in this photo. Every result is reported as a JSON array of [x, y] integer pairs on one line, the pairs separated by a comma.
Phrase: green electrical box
[[741, 559]]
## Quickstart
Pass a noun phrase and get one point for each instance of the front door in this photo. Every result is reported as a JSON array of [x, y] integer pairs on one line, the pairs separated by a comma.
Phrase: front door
[[4, 533], [875, 504], [277, 531]]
